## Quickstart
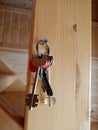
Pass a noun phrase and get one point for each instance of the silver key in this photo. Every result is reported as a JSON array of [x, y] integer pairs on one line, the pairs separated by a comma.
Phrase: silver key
[[50, 101], [32, 99]]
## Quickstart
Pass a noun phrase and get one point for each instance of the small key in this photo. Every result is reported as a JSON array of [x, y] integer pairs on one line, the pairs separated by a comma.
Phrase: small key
[[48, 100], [32, 99], [45, 84], [46, 87], [46, 75]]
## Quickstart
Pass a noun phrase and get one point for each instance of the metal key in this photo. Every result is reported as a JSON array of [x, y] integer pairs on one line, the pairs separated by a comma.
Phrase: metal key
[[46, 80], [32, 99], [48, 100], [46, 86]]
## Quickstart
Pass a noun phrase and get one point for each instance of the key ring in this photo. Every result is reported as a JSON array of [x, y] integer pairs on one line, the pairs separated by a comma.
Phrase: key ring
[[44, 43]]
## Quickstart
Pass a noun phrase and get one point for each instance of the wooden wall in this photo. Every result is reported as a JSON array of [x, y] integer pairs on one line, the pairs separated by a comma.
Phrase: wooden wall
[[14, 27]]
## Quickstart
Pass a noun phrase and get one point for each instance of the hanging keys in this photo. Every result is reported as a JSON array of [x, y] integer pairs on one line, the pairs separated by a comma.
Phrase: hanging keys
[[40, 64], [32, 99]]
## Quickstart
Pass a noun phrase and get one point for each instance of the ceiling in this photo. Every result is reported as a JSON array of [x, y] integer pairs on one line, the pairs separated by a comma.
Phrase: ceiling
[[25, 4]]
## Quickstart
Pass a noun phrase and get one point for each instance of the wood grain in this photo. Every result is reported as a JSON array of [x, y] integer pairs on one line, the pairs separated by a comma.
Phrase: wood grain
[[24, 4], [83, 60], [7, 28], [68, 32], [4, 69], [16, 62], [16, 86], [94, 81], [15, 10], [13, 102], [6, 84], [94, 10], [24, 31], [94, 126], [94, 89], [1, 25], [8, 121], [14, 29], [95, 39], [6, 80]]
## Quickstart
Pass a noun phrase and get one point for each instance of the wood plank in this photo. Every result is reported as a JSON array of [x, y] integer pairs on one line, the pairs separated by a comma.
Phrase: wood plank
[[95, 39], [16, 62], [94, 126], [83, 61], [4, 69], [7, 29], [70, 46], [15, 30], [6, 80], [24, 31], [16, 86], [14, 102], [15, 10], [8, 121], [94, 112], [25, 4], [94, 10], [94, 72], [94, 89], [1, 25], [5, 49], [50, 25]]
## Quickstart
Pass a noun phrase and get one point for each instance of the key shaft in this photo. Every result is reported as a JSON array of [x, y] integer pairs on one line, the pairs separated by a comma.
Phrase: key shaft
[[34, 87]]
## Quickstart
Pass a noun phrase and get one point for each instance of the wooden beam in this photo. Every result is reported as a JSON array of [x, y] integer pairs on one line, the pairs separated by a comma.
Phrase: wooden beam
[[67, 26], [16, 10], [5, 49]]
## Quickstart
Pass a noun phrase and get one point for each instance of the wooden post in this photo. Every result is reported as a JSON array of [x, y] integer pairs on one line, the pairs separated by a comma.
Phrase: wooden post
[[67, 26]]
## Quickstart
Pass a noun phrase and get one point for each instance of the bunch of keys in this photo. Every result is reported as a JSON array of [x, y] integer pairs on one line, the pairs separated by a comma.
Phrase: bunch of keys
[[40, 65]]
